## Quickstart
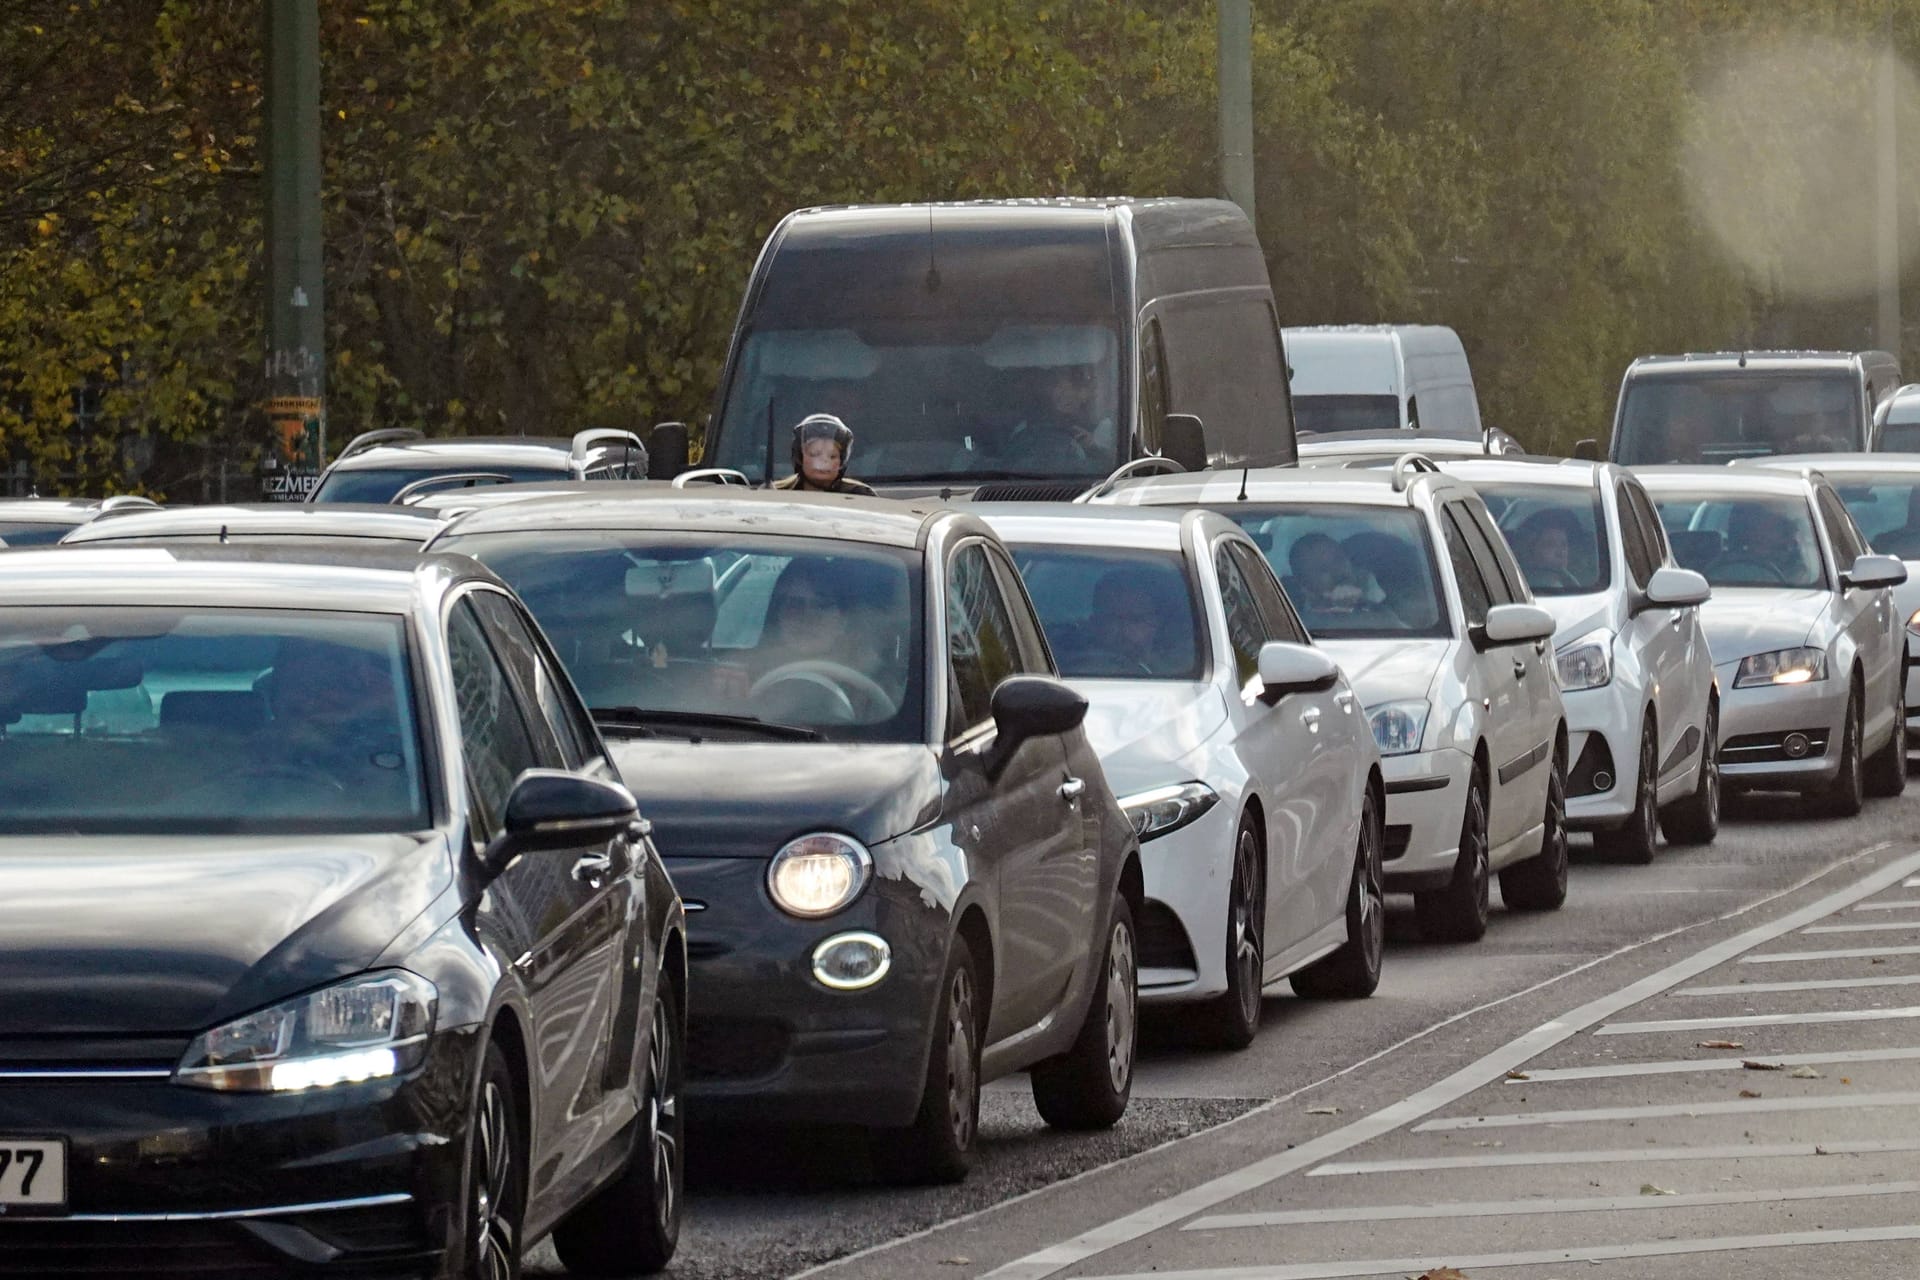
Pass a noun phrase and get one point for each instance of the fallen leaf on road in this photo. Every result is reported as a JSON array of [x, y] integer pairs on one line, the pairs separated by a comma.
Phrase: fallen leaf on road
[[1751, 1065], [1749, 1093], [1323, 1111], [1819, 1151], [1805, 1073], [1518, 1075], [962, 1261], [1878, 960], [1648, 1189], [1844, 1080], [1721, 1044], [1443, 1273]]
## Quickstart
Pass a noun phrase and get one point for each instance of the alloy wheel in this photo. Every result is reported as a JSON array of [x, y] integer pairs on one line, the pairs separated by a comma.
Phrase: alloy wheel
[[1370, 894], [962, 1088], [663, 1116], [1120, 1005], [1244, 927], [1482, 868], [495, 1241]]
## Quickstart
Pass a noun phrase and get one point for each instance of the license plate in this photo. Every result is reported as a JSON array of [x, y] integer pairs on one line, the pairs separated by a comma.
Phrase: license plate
[[33, 1174]]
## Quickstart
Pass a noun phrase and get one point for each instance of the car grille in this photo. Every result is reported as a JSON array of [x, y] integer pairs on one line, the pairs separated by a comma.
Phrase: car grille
[[1593, 772], [1770, 748], [1030, 491], [734, 1049], [55, 1247], [1163, 942], [1394, 839]]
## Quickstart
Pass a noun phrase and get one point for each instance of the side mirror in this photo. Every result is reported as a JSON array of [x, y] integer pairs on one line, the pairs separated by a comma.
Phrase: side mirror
[[1672, 588], [1294, 668], [1513, 624], [1875, 571], [1031, 707], [1587, 450], [667, 450], [553, 809], [1183, 439]]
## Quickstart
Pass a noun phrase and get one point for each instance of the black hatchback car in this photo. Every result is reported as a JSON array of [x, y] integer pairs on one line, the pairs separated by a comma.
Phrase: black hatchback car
[[905, 872], [330, 942]]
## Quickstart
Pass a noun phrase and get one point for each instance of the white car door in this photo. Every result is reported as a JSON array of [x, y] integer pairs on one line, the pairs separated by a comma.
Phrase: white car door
[[1867, 614], [1665, 639]]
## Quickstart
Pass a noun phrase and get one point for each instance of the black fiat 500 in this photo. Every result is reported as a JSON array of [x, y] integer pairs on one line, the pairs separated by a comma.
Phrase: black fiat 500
[[329, 941], [904, 872]]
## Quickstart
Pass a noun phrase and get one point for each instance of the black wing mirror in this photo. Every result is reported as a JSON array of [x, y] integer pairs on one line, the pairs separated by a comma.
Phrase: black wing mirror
[[1030, 707], [554, 809], [1183, 439], [667, 450]]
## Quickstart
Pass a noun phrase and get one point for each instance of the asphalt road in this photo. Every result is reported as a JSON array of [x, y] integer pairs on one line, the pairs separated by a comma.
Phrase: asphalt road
[[1176, 1188]]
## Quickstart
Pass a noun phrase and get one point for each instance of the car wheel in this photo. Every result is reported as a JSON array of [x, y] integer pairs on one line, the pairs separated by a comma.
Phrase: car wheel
[[1230, 1020], [1696, 819], [1636, 839], [1353, 972], [1540, 883], [1887, 771], [496, 1176], [1846, 794], [633, 1226], [938, 1146], [1088, 1086], [1458, 913]]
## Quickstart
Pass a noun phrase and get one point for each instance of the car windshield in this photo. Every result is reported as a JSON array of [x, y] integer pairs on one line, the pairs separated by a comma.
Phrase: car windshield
[[1887, 510], [1707, 417], [1352, 572], [809, 632], [1748, 540], [1117, 613], [1557, 534], [1319, 415], [380, 484], [21, 534], [161, 720]]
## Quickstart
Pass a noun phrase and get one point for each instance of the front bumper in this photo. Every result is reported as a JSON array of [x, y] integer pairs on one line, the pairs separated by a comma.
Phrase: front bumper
[[767, 1043], [1188, 874], [1426, 796], [358, 1180], [1756, 725], [1603, 727]]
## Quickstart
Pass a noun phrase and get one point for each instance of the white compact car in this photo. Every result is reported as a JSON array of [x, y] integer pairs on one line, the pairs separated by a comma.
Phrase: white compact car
[[1238, 749], [1401, 576], [1882, 494], [1808, 649], [1635, 669]]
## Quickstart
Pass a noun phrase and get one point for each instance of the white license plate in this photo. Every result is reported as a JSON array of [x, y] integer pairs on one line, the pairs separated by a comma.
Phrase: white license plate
[[33, 1174]]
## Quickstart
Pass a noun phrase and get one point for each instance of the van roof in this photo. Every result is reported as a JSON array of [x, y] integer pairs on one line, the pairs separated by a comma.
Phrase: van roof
[[1156, 222], [1757, 361]]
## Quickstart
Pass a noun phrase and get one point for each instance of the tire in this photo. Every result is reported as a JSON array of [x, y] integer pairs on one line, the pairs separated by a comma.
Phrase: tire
[[1232, 1019], [632, 1226], [496, 1203], [1887, 770], [1696, 819], [1088, 1086], [1353, 972], [938, 1146], [1636, 839], [1458, 913], [1846, 795], [1540, 883]]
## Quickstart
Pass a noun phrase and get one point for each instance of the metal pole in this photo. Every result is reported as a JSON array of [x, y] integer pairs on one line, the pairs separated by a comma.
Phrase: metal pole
[[296, 311], [1236, 103], [1887, 212]]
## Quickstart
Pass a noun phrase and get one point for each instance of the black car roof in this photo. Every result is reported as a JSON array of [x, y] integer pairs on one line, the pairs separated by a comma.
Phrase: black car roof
[[781, 513]]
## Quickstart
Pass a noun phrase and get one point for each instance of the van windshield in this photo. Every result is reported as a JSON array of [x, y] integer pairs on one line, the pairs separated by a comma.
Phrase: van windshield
[[1712, 417], [1324, 415]]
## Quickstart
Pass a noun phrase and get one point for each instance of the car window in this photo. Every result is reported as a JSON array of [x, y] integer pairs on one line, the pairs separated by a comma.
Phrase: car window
[[1115, 612], [1350, 571], [1475, 599], [1846, 543], [1278, 617], [1153, 387], [982, 646], [1709, 417], [1745, 540], [1246, 632], [513, 638], [1886, 511], [379, 484], [1034, 655], [1633, 541], [1651, 530], [1557, 533], [493, 725], [1224, 366], [1498, 571]]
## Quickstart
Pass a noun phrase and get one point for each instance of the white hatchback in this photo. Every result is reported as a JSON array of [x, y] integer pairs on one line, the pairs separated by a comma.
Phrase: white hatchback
[[1402, 576], [1238, 749], [1635, 669]]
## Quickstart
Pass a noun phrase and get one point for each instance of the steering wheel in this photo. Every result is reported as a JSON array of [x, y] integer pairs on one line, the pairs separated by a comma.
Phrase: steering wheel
[[1726, 566], [831, 676]]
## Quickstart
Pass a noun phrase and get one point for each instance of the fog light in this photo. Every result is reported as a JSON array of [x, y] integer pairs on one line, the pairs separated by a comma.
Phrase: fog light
[[1795, 745], [851, 961], [1602, 780]]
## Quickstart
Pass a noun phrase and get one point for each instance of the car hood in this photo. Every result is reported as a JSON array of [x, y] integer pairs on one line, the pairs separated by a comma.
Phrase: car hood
[[1141, 729], [745, 799], [1388, 670], [125, 936], [1574, 616], [1746, 620]]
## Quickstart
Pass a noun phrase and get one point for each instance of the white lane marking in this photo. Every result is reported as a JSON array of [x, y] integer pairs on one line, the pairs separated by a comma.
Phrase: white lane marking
[[1547, 1075], [1758, 1020], [1529, 1208], [1679, 1110], [1809, 984], [1150, 1218], [1539, 1257], [1850, 953], [1899, 904], [1652, 1155], [1876, 926]]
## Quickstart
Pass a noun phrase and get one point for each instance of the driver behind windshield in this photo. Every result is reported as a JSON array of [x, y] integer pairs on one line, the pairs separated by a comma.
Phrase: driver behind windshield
[[1760, 536], [1321, 578], [334, 713], [825, 651], [1544, 546]]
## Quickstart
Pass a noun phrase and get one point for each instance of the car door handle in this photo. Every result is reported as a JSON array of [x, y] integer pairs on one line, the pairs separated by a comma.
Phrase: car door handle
[[1310, 717], [593, 868], [1070, 789], [1519, 669]]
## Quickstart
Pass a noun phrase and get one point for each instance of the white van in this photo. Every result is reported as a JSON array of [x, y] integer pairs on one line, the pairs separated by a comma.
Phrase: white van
[[1381, 377]]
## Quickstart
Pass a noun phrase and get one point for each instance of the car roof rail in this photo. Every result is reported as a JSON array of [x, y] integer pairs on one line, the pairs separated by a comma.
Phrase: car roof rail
[[584, 440], [1409, 465], [1126, 469], [711, 475], [385, 435], [446, 480]]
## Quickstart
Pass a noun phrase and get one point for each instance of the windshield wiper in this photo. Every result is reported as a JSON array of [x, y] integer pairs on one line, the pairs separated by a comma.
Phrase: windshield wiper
[[640, 721]]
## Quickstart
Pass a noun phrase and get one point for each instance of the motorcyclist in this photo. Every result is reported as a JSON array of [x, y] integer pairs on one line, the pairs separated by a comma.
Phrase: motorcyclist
[[822, 446]]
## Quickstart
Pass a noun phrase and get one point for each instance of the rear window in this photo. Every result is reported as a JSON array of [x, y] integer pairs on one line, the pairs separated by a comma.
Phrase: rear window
[[380, 484], [1323, 415], [1710, 418], [1115, 613], [18, 534]]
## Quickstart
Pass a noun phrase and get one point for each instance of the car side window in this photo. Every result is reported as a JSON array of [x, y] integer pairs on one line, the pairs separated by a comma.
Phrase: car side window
[[1652, 532], [1633, 540], [1035, 657], [1281, 622], [1847, 546], [1474, 597], [983, 648], [1489, 546], [1246, 631], [1153, 387], [513, 637], [493, 727]]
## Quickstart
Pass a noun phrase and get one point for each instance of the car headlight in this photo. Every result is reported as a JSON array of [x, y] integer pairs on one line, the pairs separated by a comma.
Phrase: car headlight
[[365, 1028], [1783, 666], [1163, 809], [1398, 726], [1587, 663], [817, 875]]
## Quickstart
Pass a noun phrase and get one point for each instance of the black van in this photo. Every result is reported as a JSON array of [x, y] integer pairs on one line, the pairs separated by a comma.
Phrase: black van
[[1017, 348]]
